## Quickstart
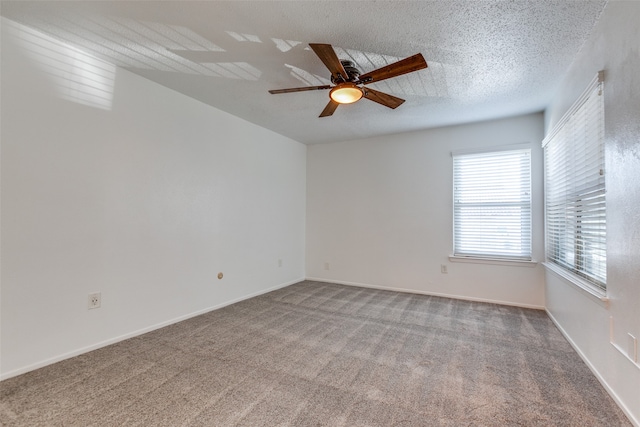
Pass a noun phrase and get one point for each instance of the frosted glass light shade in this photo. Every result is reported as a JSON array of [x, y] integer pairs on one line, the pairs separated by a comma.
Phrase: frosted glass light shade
[[346, 93]]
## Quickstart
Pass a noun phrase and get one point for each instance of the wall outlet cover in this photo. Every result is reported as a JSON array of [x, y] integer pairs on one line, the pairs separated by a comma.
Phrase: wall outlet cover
[[95, 300]]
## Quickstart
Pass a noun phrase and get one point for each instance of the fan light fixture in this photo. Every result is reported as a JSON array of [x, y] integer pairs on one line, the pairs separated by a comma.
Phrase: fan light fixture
[[349, 86], [346, 93]]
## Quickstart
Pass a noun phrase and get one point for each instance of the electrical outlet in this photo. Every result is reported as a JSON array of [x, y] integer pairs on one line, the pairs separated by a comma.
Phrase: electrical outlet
[[326, 265], [443, 269], [280, 262], [95, 300]]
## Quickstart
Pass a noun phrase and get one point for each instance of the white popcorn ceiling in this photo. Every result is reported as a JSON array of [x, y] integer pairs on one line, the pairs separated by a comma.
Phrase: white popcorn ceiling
[[487, 59]]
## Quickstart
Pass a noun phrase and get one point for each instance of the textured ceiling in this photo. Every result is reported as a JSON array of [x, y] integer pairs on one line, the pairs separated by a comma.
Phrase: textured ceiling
[[487, 59]]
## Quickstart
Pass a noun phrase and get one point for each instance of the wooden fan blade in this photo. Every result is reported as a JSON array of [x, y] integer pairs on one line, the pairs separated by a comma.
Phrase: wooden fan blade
[[300, 89], [329, 109], [382, 98], [329, 58], [404, 66]]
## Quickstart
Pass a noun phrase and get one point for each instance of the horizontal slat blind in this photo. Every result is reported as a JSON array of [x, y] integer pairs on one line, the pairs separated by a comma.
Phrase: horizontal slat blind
[[492, 204], [575, 189]]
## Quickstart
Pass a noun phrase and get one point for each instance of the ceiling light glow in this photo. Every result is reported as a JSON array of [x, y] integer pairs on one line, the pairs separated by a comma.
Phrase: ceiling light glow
[[346, 93]]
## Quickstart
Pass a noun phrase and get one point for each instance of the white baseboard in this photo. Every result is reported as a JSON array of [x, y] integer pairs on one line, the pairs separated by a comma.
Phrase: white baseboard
[[435, 294], [114, 340], [595, 372]]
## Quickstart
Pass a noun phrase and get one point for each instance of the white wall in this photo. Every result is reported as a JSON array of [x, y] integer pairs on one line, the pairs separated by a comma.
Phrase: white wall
[[115, 184], [615, 48], [379, 211]]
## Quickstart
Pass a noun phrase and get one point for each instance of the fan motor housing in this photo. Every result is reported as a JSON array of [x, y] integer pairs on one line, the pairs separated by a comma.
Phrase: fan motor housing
[[352, 72]]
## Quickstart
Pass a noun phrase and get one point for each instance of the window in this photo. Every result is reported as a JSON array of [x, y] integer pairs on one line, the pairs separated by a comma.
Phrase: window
[[492, 204], [575, 189]]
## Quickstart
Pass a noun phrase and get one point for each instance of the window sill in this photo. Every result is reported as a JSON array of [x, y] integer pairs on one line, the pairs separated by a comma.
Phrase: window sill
[[493, 261], [585, 287]]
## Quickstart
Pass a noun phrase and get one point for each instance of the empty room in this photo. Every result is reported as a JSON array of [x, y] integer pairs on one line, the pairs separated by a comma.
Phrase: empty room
[[320, 213]]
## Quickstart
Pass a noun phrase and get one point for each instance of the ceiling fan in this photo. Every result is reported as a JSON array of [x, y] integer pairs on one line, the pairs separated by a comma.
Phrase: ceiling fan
[[349, 84]]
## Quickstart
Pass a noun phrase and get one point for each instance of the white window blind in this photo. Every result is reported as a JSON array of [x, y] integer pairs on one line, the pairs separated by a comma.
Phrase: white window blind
[[492, 204], [575, 189]]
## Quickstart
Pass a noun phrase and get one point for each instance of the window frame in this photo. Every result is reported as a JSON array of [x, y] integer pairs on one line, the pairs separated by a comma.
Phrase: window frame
[[577, 265], [491, 257]]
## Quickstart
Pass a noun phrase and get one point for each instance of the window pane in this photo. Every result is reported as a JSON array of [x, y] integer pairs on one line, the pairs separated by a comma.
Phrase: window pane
[[492, 204]]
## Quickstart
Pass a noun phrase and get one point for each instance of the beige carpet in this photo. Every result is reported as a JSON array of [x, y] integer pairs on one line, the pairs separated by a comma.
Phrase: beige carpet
[[316, 354]]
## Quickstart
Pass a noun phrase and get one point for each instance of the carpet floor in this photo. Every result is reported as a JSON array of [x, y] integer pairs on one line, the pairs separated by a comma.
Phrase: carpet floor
[[318, 354]]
